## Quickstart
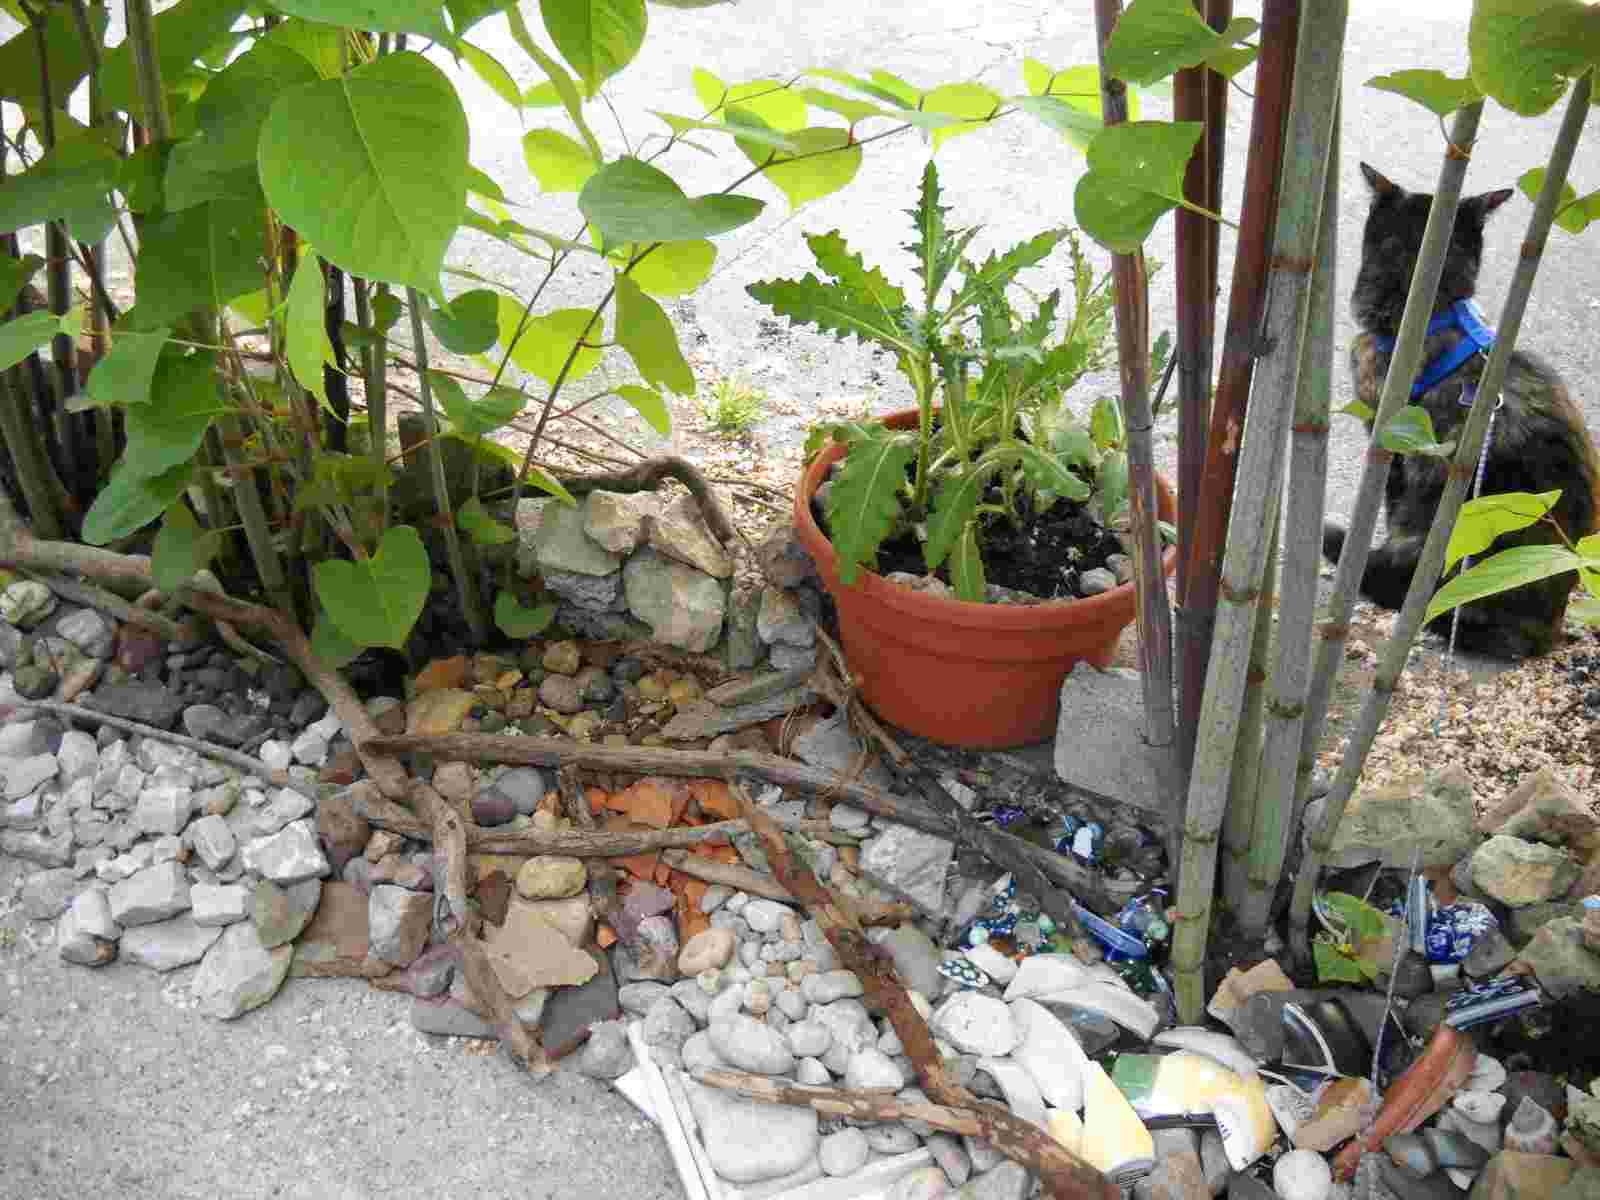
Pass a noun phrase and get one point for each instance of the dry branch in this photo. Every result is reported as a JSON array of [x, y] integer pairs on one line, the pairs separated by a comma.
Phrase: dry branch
[[1065, 1175], [648, 475], [114, 605], [868, 912]]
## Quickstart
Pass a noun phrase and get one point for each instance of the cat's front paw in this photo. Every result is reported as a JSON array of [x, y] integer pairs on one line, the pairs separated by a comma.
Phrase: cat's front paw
[[1332, 541]]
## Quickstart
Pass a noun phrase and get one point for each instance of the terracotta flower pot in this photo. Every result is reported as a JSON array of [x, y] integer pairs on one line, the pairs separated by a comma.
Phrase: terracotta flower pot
[[978, 675]]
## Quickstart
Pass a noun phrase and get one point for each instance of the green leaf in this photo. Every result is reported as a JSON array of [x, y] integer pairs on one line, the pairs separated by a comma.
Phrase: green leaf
[[1503, 571], [476, 418], [1359, 411], [748, 131], [547, 340], [479, 183], [181, 549], [228, 116], [130, 501], [1361, 919], [556, 161], [882, 86], [313, 41], [376, 600], [1067, 119], [515, 621], [1111, 486], [305, 319], [649, 404], [21, 337], [849, 270], [72, 183], [464, 14], [1334, 966], [825, 161], [204, 256], [1525, 51], [1486, 518], [182, 34], [124, 375], [468, 324], [596, 37], [646, 333], [1154, 38], [850, 109], [832, 309], [1410, 431], [1434, 90], [1105, 423], [165, 434], [372, 168], [16, 272], [560, 80], [631, 201], [330, 646], [675, 268], [474, 521], [966, 567], [542, 95], [1573, 213], [64, 55], [1584, 609], [489, 69], [773, 104], [1049, 473], [955, 507], [864, 501], [1135, 177], [973, 103], [381, 16]]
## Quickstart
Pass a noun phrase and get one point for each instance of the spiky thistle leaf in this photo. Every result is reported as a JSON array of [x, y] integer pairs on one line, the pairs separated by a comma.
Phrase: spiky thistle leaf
[[865, 499], [955, 507]]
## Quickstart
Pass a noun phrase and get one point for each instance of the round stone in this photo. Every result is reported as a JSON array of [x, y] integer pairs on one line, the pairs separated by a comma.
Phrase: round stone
[[764, 916], [561, 692], [1302, 1175], [808, 1039], [707, 950], [551, 877], [843, 1153], [751, 1046], [811, 1071], [563, 658], [872, 1068]]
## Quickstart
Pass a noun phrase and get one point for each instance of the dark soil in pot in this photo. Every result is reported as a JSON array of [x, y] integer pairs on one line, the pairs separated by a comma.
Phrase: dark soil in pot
[[1043, 553]]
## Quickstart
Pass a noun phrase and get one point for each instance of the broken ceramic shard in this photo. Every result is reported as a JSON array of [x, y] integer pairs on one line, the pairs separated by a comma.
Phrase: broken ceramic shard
[[1049, 1052], [1183, 1082], [1114, 1139], [1219, 1047]]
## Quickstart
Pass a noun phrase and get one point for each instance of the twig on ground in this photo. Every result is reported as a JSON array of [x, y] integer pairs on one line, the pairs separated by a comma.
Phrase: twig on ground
[[870, 912], [233, 758], [112, 605], [647, 475]]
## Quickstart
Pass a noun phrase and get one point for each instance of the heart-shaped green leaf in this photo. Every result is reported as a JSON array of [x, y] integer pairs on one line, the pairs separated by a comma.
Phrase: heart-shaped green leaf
[[973, 103], [376, 600], [1410, 431], [306, 344], [1525, 51], [1503, 571], [649, 404], [558, 162], [21, 337], [1154, 38], [204, 256], [675, 268], [130, 501], [631, 201], [124, 376], [331, 647], [515, 621], [385, 16], [181, 549], [469, 324], [824, 161], [493, 73], [372, 167], [474, 521], [646, 333], [72, 183], [1434, 90], [475, 418], [166, 434], [1484, 519], [596, 37], [1135, 177], [548, 339], [1575, 213]]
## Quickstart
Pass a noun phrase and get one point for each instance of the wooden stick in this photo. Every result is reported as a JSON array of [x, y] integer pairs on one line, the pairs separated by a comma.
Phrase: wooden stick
[[869, 912], [647, 476], [485, 984], [1065, 1175], [233, 758], [114, 605]]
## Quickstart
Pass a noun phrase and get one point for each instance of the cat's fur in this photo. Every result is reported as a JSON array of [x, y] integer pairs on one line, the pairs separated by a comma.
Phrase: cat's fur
[[1539, 440]]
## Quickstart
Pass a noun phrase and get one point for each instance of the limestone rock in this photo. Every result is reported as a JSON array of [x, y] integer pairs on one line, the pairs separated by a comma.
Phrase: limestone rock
[[679, 532], [529, 952], [439, 711], [168, 945], [780, 619], [554, 538], [1558, 957], [1518, 873], [615, 520], [398, 921], [551, 877], [748, 1142], [337, 940], [909, 862], [238, 973], [280, 913], [1544, 808], [290, 855], [1388, 823], [683, 606], [86, 933], [751, 1046], [219, 904], [150, 895]]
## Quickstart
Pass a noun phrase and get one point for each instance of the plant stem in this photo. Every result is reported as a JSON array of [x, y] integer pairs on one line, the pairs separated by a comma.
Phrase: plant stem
[[36, 477], [1318, 59], [1308, 466], [1459, 478], [466, 585], [1133, 361], [147, 69], [1213, 499]]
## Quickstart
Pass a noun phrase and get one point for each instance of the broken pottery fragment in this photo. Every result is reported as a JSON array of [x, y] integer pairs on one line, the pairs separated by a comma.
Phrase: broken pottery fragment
[[1114, 1140], [1184, 1082]]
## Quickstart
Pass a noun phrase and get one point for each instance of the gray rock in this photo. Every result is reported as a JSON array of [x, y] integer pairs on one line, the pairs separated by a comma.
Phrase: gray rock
[[561, 692], [683, 606], [667, 1024], [86, 934], [1008, 1181], [910, 863], [808, 1039], [843, 1153], [238, 973], [26, 603], [88, 631], [1526, 922], [951, 1156], [764, 916], [825, 987], [77, 757], [150, 895], [751, 689], [281, 913], [11, 645], [845, 818], [892, 1137], [830, 744], [163, 808], [449, 1018], [606, 1054], [597, 593], [399, 920], [23, 775], [783, 559], [698, 1054], [637, 998], [287, 857], [46, 894], [1100, 745], [1518, 873], [286, 805], [525, 786], [218, 904], [781, 620], [872, 1068], [811, 1070], [135, 700], [168, 945], [748, 1142], [553, 538], [212, 724], [679, 532], [615, 520], [742, 649], [1435, 813], [751, 1046], [694, 999], [213, 841], [1560, 960]]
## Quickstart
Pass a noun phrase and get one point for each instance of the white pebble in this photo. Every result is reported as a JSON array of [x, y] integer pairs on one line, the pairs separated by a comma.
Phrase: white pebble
[[1302, 1175]]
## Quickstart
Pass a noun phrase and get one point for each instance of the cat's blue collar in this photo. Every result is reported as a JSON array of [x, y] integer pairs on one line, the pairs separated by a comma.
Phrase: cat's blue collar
[[1478, 338]]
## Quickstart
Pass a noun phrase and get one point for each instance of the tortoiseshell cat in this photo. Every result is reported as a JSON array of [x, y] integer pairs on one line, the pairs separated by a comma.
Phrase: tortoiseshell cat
[[1539, 439]]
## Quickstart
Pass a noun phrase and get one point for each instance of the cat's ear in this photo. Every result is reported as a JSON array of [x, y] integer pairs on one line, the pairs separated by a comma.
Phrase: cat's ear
[[1382, 189], [1485, 203]]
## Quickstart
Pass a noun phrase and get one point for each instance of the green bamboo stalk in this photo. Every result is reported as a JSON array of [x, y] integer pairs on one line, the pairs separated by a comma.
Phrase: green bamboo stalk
[[1396, 394], [1239, 818], [1131, 282], [147, 69], [1308, 474], [466, 583], [374, 375], [35, 475], [1318, 57], [1462, 469]]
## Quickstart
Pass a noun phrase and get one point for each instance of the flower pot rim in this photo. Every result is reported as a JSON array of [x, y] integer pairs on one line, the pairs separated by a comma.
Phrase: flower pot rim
[[954, 611]]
